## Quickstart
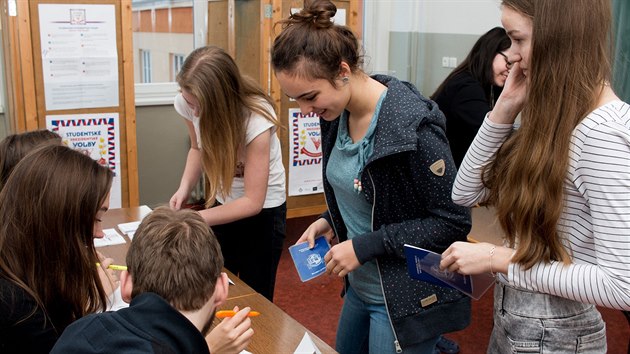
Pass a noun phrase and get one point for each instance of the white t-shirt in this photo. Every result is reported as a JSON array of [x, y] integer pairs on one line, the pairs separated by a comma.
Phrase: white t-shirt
[[256, 125]]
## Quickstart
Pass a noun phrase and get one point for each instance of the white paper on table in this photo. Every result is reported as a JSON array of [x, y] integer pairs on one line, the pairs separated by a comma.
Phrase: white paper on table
[[111, 238], [128, 227], [307, 346], [144, 211]]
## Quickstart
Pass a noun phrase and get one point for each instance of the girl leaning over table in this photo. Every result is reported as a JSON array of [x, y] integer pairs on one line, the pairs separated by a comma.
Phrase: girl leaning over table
[[232, 127]]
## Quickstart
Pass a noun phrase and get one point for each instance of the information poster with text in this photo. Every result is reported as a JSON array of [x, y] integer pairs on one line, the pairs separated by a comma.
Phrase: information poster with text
[[79, 55], [305, 154], [97, 136]]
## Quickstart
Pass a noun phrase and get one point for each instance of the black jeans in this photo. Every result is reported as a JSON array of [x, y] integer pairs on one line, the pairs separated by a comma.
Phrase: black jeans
[[252, 247]]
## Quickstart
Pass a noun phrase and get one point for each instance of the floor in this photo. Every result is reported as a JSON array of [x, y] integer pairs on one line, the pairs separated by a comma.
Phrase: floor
[[317, 303]]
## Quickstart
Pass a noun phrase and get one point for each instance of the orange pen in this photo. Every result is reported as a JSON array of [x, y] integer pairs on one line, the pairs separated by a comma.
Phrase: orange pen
[[230, 313]]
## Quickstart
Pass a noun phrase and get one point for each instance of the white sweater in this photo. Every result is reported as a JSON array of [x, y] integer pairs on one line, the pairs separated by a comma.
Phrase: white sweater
[[595, 224]]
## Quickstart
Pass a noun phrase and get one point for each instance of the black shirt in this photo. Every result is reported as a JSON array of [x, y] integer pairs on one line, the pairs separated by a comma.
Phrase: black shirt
[[464, 102], [23, 325]]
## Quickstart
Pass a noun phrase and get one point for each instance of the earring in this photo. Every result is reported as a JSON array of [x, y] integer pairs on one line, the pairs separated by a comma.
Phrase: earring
[[345, 79]]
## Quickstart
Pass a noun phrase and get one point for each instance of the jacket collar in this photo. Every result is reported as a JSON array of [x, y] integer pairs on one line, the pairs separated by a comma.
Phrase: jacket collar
[[155, 316], [402, 111]]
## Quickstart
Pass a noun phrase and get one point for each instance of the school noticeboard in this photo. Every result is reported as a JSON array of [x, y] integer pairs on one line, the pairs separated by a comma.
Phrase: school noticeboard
[[96, 135], [305, 154], [79, 55]]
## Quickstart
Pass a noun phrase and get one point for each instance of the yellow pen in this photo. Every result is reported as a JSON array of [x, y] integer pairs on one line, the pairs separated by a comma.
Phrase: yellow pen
[[230, 313], [114, 266]]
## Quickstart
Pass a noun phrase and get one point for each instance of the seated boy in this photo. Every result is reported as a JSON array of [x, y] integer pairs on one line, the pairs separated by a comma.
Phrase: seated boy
[[173, 283]]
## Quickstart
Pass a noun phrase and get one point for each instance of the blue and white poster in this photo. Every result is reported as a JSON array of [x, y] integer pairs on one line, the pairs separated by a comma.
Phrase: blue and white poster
[[95, 135], [305, 154]]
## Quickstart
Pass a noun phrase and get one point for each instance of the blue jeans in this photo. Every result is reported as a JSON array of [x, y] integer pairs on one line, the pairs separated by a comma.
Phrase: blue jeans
[[528, 322], [365, 328]]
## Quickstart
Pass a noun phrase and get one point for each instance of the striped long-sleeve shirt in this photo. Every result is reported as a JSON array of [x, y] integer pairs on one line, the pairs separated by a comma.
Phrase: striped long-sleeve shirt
[[595, 224]]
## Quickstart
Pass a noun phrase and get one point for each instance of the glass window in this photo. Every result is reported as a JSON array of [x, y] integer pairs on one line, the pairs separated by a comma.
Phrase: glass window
[[145, 64], [177, 60], [163, 35]]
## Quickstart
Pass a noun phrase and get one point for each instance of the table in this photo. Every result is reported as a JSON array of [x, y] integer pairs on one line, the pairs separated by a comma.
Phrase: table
[[274, 330]]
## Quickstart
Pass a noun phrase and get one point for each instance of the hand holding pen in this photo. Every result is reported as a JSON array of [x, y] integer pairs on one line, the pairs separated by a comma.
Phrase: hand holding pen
[[230, 313], [114, 266], [108, 277], [233, 334]]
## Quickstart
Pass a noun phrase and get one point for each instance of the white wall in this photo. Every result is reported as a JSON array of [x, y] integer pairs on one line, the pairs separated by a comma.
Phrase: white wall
[[468, 17]]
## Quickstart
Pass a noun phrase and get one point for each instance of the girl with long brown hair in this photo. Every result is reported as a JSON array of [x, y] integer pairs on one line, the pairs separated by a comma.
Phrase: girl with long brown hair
[[232, 127], [50, 209], [559, 182]]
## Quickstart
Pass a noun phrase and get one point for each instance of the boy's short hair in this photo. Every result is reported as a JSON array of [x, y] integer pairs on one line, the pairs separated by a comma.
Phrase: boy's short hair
[[175, 255]]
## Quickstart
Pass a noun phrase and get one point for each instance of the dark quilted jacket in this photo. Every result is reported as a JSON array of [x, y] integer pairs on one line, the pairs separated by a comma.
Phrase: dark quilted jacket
[[411, 204]]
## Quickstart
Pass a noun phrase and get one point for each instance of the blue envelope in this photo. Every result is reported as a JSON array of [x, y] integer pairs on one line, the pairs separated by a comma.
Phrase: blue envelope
[[424, 265], [310, 262]]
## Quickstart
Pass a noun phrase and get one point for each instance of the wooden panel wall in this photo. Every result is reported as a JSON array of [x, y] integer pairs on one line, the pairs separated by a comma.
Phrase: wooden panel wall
[[27, 84], [244, 28]]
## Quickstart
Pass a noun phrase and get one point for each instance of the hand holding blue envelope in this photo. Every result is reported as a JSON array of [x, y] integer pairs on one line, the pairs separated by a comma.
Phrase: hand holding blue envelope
[[310, 263], [424, 265]]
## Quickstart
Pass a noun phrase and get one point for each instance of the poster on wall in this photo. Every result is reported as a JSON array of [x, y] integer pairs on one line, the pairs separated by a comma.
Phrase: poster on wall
[[305, 154], [79, 55], [96, 135]]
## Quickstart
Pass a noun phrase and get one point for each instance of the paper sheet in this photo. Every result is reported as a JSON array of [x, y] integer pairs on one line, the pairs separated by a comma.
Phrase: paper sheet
[[79, 55], [111, 238], [307, 346], [128, 227]]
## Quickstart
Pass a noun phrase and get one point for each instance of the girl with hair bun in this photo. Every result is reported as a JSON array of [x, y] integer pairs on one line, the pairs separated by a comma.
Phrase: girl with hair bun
[[387, 173]]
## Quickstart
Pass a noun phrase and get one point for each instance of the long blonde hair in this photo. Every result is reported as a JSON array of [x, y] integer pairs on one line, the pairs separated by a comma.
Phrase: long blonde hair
[[226, 99], [569, 64]]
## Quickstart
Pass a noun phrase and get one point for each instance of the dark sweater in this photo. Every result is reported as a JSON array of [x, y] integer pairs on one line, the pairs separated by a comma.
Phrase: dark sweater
[[24, 327], [148, 325], [411, 204]]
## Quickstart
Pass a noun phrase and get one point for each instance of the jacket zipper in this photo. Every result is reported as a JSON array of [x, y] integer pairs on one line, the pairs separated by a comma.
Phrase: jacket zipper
[[332, 224], [396, 343]]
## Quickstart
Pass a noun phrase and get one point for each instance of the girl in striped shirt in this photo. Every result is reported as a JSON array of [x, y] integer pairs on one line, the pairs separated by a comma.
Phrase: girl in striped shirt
[[560, 183]]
